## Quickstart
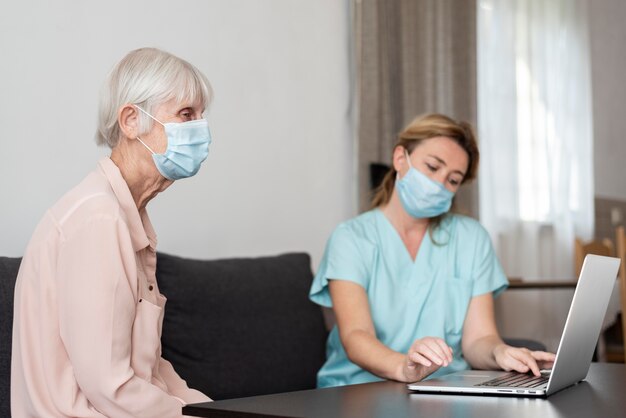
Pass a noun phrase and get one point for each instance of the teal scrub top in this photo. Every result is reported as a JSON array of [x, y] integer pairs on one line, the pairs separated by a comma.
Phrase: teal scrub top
[[408, 299]]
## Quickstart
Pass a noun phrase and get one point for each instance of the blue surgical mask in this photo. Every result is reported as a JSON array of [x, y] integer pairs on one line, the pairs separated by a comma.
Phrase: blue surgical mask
[[187, 147], [421, 196]]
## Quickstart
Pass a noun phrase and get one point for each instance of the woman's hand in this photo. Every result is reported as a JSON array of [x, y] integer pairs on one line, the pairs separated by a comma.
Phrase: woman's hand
[[522, 359], [425, 356]]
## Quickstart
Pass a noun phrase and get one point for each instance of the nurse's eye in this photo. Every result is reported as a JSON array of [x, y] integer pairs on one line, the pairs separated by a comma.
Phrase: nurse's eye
[[454, 182], [431, 167]]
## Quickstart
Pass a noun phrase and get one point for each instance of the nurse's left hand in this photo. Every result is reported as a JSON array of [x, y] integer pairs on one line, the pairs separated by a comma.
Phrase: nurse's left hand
[[425, 356], [522, 359]]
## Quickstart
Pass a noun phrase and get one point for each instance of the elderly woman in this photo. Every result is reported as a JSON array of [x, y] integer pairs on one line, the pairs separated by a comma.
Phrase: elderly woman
[[88, 312], [410, 284]]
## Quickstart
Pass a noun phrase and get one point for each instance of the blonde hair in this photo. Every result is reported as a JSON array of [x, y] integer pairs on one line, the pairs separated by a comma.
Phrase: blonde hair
[[420, 129], [147, 77]]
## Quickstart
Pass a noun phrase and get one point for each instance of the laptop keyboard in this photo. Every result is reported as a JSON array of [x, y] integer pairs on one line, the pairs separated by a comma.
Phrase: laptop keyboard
[[516, 380]]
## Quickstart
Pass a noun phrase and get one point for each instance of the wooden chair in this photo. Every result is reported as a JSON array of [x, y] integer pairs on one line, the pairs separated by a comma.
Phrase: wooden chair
[[581, 249], [615, 342], [610, 345]]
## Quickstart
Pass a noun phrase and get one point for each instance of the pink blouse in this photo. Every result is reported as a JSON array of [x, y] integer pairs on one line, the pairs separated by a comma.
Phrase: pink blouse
[[88, 312]]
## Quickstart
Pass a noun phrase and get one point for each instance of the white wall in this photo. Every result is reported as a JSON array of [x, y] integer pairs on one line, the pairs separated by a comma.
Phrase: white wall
[[279, 174], [608, 54]]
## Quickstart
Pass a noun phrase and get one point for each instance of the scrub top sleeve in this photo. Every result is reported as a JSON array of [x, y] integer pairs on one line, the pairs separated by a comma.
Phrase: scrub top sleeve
[[488, 275], [344, 259]]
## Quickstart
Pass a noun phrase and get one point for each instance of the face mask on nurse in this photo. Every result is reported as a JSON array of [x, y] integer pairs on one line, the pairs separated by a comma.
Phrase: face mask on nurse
[[421, 196], [187, 147]]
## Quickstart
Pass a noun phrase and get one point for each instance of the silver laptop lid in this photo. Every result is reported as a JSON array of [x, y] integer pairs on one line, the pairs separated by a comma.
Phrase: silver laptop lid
[[584, 321]]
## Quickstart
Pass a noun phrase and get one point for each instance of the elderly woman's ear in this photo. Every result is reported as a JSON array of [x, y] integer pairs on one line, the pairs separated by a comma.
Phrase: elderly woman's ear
[[128, 119]]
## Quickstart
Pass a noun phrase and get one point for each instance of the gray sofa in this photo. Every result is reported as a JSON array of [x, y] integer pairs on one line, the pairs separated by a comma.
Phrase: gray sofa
[[233, 327]]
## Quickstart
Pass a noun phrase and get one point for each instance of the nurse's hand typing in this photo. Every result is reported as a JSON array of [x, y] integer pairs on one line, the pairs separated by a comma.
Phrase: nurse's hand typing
[[425, 356], [522, 359]]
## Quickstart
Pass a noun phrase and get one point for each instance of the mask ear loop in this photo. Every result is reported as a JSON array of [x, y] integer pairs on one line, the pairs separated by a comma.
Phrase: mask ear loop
[[143, 143], [408, 159], [148, 114]]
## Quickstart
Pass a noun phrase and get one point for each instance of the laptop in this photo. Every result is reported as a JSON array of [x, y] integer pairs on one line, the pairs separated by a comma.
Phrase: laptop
[[574, 354]]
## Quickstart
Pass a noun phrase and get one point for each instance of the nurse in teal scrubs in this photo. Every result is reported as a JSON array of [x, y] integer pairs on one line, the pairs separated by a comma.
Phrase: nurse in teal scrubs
[[412, 285]]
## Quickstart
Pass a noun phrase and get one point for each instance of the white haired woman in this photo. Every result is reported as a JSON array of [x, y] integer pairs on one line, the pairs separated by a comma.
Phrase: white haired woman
[[88, 312]]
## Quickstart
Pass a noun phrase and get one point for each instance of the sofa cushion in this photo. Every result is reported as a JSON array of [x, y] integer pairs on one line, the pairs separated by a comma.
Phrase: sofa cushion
[[8, 274], [241, 327]]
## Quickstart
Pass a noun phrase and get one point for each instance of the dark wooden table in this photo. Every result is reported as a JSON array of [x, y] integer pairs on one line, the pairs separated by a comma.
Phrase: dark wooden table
[[520, 284], [603, 394]]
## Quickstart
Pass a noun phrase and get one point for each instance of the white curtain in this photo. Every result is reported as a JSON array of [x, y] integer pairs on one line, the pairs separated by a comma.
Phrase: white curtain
[[535, 130]]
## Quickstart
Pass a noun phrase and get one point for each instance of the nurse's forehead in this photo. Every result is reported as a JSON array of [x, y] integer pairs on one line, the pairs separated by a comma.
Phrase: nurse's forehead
[[437, 143], [440, 147]]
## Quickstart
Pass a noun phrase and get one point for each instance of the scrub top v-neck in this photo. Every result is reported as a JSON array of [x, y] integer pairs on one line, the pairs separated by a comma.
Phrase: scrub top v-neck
[[409, 299]]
